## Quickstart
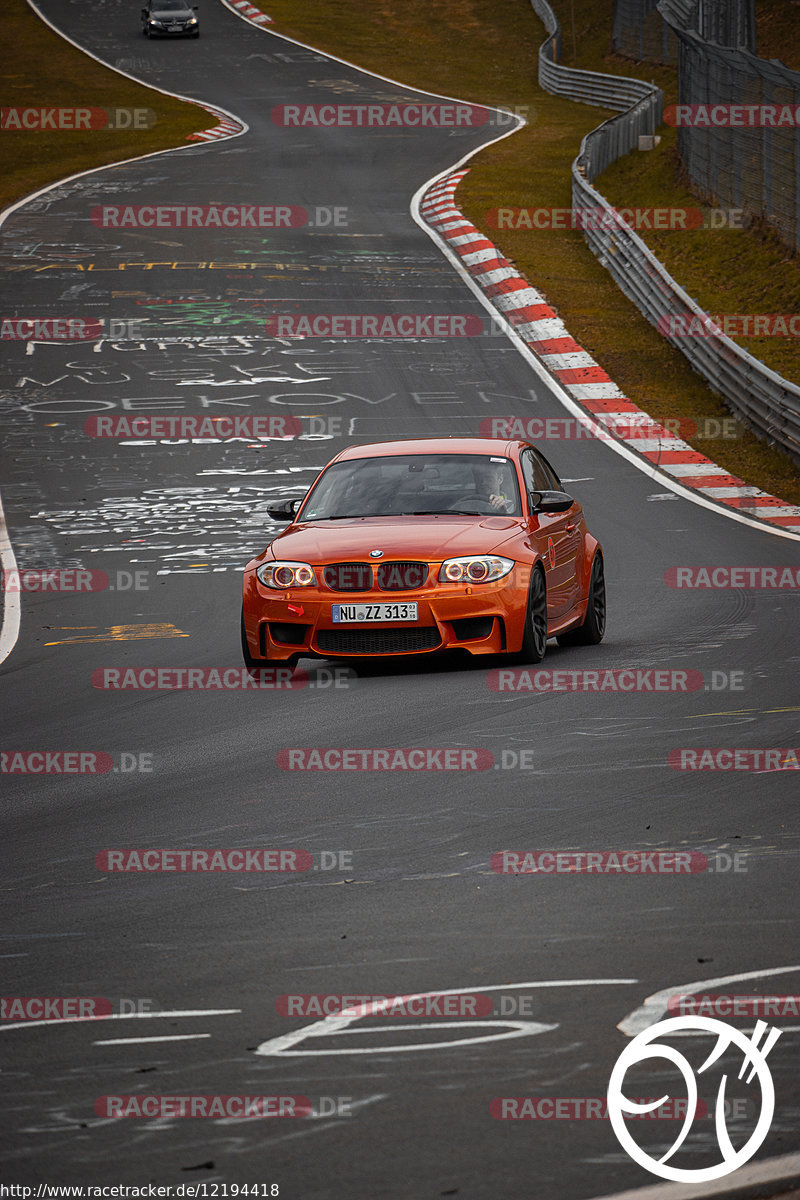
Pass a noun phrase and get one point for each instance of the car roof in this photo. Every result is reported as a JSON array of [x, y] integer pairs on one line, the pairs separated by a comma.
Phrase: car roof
[[440, 445]]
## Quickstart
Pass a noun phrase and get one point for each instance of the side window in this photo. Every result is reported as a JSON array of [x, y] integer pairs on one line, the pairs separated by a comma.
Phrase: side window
[[554, 482], [533, 473]]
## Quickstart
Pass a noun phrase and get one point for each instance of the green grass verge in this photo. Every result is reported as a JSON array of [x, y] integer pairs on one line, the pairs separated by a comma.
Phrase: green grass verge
[[41, 70]]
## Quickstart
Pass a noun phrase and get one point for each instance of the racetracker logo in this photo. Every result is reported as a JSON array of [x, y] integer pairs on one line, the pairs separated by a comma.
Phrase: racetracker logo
[[216, 428], [432, 1005], [198, 216], [198, 679], [54, 1008], [43, 120], [55, 762], [731, 116], [379, 116], [720, 1005], [49, 329], [743, 325], [595, 218], [387, 759], [733, 577], [375, 325], [584, 1108], [69, 579], [592, 862], [620, 679], [658, 219], [237, 860], [727, 758], [628, 426], [149, 1106]]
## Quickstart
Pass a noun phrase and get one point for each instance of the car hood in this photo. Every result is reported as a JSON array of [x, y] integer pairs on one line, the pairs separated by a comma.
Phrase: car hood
[[403, 538], [182, 14]]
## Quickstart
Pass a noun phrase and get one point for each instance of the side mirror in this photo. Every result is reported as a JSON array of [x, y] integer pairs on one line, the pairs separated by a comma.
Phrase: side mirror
[[550, 502], [283, 510]]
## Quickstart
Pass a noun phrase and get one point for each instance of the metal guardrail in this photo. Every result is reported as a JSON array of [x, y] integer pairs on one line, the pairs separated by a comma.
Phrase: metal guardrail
[[759, 396]]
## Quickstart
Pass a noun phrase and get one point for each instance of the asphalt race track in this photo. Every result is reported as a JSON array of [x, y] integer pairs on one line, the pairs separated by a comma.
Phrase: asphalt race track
[[391, 905]]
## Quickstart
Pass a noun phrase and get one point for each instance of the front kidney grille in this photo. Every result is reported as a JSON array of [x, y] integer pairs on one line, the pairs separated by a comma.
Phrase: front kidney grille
[[402, 576], [348, 577]]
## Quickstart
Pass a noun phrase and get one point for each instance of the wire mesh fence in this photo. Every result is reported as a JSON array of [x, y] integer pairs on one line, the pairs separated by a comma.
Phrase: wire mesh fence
[[769, 403], [738, 121]]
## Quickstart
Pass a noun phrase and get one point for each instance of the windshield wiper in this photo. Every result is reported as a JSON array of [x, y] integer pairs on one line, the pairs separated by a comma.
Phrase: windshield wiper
[[439, 512]]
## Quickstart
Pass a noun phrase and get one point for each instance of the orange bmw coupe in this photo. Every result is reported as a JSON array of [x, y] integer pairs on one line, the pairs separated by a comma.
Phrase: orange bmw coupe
[[415, 547]]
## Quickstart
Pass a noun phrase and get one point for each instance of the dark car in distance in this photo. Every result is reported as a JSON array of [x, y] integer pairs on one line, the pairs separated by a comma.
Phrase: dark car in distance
[[169, 18]]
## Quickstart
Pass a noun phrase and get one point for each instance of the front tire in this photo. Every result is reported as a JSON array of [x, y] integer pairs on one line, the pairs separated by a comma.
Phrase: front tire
[[534, 639], [593, 626]]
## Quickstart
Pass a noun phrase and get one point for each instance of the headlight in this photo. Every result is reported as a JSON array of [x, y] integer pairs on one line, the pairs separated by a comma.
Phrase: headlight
[[192, 21], [479, 568], [280, 575]]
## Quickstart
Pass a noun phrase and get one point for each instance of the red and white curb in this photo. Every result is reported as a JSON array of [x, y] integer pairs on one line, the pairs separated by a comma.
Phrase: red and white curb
[[243, 8], [227, 127], [584, 380]]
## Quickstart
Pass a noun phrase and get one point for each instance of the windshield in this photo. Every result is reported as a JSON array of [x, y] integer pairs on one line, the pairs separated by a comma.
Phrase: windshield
[[477, 484], [170, 6]]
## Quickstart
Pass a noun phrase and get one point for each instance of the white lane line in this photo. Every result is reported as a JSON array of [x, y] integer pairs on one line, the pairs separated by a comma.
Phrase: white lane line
[[768, 1171], [9, 631], [12, 609], [655, 1006], [171, 1037], [189, 1012], [338, 1023]]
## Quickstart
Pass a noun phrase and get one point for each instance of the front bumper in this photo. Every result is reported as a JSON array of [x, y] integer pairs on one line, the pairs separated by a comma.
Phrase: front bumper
[[160, 31], [479, 618]]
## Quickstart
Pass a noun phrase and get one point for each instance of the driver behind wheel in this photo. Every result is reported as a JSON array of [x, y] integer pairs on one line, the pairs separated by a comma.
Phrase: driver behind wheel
[[493, 483]]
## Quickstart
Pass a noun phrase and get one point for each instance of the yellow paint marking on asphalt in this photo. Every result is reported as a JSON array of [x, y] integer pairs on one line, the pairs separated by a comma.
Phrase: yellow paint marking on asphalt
[[739, 712], [124, 633], [734, 712]]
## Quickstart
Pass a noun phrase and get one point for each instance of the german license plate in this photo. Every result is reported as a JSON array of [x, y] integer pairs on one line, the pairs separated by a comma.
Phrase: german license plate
[[356, 614]]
